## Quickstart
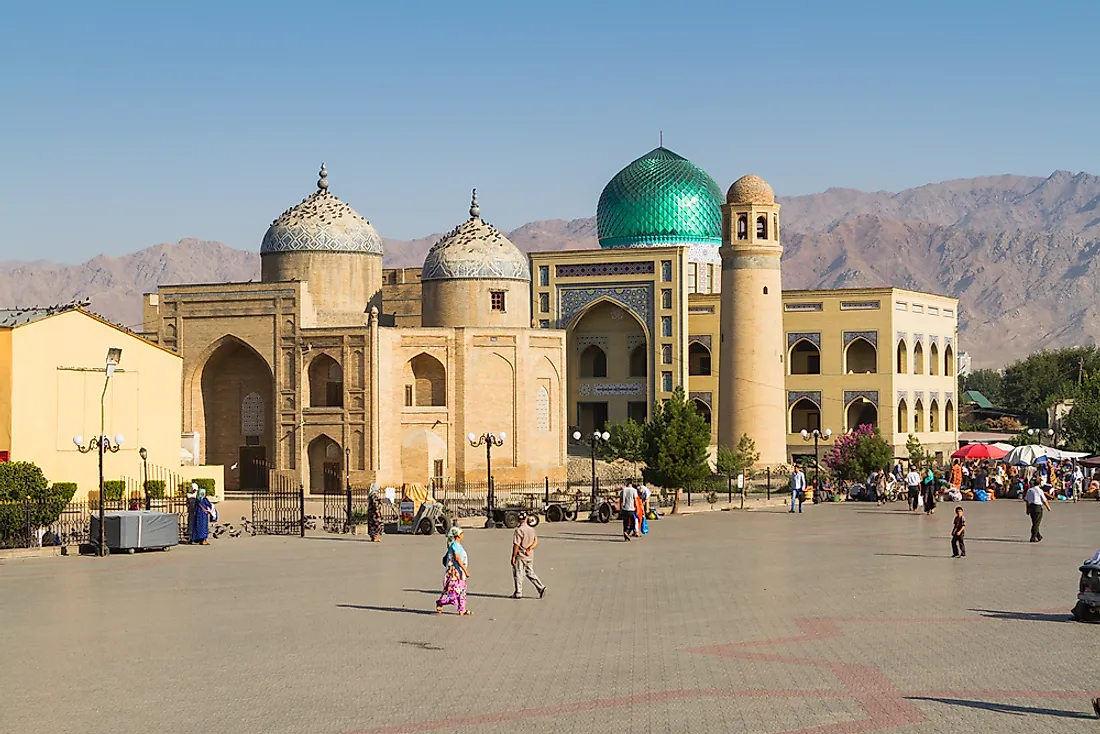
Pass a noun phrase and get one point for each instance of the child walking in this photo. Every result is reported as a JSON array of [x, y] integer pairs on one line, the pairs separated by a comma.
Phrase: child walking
[[958, 544]]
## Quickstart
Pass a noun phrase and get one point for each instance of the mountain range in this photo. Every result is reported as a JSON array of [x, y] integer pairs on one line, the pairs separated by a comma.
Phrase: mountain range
[[1017, 251]]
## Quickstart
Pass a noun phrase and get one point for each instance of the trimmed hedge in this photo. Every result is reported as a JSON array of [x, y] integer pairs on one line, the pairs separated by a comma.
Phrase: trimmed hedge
[[20, 480], [113, 489], [205, 482], [155, 489]]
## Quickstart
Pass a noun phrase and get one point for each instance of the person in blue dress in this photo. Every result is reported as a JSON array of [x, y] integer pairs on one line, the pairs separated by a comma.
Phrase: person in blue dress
[[204, 510]]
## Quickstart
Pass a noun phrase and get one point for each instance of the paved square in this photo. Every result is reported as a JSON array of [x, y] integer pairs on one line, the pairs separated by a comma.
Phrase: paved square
[[848, 618]]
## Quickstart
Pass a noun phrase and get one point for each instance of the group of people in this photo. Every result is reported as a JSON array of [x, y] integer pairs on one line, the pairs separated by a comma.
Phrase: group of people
[[633, 507]]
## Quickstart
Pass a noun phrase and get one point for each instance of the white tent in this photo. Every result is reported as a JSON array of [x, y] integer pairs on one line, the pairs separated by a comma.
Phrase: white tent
[[1025, 455]]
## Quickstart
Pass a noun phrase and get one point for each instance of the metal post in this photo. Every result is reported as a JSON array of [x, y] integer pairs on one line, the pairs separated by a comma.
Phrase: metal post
[[546, 497], [489, 523], [27, 509], [348, 508], [729, 490], [302, 510], [817, 467], [102, 550], [145, 484], [595, 486], [768, 472]]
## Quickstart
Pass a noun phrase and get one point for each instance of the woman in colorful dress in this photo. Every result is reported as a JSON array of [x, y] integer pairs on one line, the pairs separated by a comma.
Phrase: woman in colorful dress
[[204, 511], [458, 571], [375, 526]]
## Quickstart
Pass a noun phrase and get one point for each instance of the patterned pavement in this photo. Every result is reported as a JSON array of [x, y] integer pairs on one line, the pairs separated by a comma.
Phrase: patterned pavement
[[848, 618]]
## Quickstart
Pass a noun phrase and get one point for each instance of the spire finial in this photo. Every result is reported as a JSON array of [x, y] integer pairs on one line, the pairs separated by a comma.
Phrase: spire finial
[[475, 210], [322, 182], [661, 137]]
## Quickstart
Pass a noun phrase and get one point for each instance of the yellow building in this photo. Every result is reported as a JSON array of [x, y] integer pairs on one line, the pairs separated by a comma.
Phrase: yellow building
[[52, 378], [330, 371]]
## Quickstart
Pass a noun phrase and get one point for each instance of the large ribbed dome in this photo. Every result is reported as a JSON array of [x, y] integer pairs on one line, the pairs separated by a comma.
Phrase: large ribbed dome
[[475, 250], [660, 199], [321, 223]]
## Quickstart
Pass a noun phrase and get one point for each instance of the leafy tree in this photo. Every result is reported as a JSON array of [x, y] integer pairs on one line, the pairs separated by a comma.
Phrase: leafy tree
[[987, 382], [676, 444], [1081, 427], [627, 442], [20, 480], [732, 462], [857, 453], [1033, 383], [918, 457]]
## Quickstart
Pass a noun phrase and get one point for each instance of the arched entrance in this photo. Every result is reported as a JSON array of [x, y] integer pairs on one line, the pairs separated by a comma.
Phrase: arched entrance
[[232, 408], [805, 416], [903, 358], [698, 360], [703, 409], [805, 358], [861, 412], [609, 366], [861, 357], [902, 425], [326, 383], [326, 466]]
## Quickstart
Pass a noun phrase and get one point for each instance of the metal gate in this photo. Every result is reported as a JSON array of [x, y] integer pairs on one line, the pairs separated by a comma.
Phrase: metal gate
[[279, 512]]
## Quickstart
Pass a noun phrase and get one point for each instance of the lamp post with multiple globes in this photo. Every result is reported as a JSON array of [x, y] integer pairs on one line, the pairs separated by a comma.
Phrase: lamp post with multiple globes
[[489, 440], [594, 441], [817, 436], [1038, 433], [102, 443]]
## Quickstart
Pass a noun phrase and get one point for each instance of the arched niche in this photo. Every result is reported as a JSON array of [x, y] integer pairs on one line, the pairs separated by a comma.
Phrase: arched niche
[[861, 357], [699, 359], [861, 412], [805, 415], [326, 383], [425, 382], [804, 358]]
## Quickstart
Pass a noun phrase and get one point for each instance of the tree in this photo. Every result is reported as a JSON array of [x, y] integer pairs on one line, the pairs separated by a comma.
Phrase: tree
[[858, 453], [1081, 427], [676, 443], [732, 462], [987, 382], [627, 442], [23, 480], [918, 457], [1031, 384]]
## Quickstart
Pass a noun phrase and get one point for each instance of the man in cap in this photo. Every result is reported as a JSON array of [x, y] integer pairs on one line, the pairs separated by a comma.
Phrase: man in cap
[[524, 541]]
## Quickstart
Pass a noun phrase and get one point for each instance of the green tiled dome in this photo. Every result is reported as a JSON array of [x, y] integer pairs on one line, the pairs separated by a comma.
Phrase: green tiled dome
[[660, 199]]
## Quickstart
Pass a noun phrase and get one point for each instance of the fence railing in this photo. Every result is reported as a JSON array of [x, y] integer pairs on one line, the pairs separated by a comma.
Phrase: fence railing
[[31, 523]]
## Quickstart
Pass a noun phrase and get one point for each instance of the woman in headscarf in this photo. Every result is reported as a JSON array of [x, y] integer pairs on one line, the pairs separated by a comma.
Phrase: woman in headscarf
[[458, 571], [204, 511], [375, 526], [929, 487]]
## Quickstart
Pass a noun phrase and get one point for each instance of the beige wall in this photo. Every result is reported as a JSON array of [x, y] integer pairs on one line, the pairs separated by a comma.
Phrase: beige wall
[[57, 379], [401, 296], [342, 285], [704, 332], [467, 303]]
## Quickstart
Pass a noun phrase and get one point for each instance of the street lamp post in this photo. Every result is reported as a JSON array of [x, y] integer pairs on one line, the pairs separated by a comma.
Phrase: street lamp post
[[489, 440], [1038, 433], [102, 442], [347, 469], [145, 482], [593, 441], [817, 436]]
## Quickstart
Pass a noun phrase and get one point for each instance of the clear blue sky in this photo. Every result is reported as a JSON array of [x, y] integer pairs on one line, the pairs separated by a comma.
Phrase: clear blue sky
[[128, 124]]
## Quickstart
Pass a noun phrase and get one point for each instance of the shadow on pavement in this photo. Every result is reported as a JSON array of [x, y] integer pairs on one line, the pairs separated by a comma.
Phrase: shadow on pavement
[[911, 555], [403, 610], [1005, 708], [436, 593], [1025, 616]]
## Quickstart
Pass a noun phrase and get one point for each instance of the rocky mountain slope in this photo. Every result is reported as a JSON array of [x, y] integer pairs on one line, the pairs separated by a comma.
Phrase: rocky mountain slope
[[1017, 251]]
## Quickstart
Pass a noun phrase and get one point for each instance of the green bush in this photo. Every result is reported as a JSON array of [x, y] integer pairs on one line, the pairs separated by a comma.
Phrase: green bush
[[359, 517], [206, 483], [154, 488], [113, 489], [20, 480]]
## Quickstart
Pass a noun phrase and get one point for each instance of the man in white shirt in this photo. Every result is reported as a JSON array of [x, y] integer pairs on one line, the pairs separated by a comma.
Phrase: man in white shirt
[[912, 486], [798, 488], [1036, 500], [627, 499], [1078, 482]]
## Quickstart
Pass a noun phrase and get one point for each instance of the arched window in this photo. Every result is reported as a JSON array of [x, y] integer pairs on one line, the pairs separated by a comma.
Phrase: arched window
[[918, 359], [903, 358], [542, 410], [902, 426], [861, 357], [949, 415], [934, 417], [698, 359], [805, 358], [743, 227], [949, 362], [593, 362], [762, 227], [702, 409], [639, 360], [775, 226], [326, 383], [918, 417], [428, 378], [252, 418], [861, 412], [805, 416], [933, 359]]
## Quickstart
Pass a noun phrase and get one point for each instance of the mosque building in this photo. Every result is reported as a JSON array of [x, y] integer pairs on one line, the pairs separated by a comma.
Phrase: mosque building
[[333, 370]]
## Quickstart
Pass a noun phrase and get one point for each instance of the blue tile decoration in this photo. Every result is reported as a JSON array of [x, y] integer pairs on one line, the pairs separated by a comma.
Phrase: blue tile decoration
[[903, 395], [638, 299], [902, 336], [851, 336], [814, 337], [704, 339], [703, 397], [870, 396], [600, 270], [814, 396]]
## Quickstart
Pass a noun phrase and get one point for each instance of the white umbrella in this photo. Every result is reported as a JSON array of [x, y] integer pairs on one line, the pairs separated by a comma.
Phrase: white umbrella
[[1004, 446], [1025, 455], [1061, 454]]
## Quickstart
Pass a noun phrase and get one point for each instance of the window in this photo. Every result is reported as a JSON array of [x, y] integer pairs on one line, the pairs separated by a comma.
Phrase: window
[[544, 323], [901, 306], [408, 396], [765, 290], [666, 326], [666, 298], [544, 302], [252, 416], [666, 381], [933, 311], [496, 301], [437, 469], [775, 226], [802, 306], [666, 271], [743, 227], [544, 275], [593, 362], [693, 278], [762, 227], [542, 410], [859, 305], [698, 360], [666, 354], [918, 308], [639, 357], [948, 312]]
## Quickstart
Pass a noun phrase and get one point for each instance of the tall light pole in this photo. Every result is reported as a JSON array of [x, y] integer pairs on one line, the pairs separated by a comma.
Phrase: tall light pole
[[489, 440], [817, 437], [102, 442], [145, 483], [593, 441], [1038, 433], [347, 469]]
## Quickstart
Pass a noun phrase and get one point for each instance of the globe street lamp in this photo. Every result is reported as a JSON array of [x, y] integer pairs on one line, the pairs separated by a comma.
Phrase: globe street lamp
[[817, 437], [489, 440], [1038, 434], [145, 484], [593, 441], [102, 442]]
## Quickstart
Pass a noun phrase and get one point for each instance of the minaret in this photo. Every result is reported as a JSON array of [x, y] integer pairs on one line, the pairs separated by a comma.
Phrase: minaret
[[751, 376]]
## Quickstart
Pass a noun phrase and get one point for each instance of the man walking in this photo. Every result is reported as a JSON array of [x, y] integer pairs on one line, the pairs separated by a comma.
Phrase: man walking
[[1036, 500], [627, 500], [912, 486], [798, 488], [524, 541]]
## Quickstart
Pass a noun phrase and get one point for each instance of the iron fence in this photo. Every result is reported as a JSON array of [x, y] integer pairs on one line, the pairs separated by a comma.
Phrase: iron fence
[[32, 523]]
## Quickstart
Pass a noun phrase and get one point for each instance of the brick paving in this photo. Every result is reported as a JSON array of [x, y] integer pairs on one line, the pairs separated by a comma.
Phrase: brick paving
[[848, 618]]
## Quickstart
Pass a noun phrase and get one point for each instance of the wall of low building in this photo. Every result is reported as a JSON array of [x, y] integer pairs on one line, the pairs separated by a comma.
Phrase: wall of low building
[[341, 284], [57, 380], [468, 303], [401, 296]]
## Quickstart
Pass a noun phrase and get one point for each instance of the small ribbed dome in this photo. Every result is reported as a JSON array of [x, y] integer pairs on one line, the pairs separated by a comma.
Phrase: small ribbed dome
[[475, 250], [750, 189], [321, 223], [660, 199]]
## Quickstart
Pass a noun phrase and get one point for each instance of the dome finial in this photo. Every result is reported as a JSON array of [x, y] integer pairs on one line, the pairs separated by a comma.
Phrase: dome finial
[[322, 183], [475, 210]]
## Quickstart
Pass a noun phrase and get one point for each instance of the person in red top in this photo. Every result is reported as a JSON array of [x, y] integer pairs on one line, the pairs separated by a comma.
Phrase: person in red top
[[958, 545]]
